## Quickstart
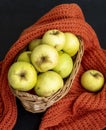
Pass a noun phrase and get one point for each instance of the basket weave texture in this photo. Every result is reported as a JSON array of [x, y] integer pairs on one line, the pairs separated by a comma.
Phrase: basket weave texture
[[74, 110]]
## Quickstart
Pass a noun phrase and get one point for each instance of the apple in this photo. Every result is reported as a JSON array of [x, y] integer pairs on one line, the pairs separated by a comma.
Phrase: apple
[[54, 38], [34, 43], [92, 80], [24, 56], [71, 43], [22, 76], [48, 83], [44, 57], [65, 64]]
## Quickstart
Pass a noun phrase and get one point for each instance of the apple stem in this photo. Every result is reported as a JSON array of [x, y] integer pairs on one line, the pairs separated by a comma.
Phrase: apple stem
[[97, 75], [22, 75], [54, 33]]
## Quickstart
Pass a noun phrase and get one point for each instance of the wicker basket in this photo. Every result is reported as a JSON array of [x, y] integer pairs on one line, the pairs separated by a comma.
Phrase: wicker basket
[[36, 104]]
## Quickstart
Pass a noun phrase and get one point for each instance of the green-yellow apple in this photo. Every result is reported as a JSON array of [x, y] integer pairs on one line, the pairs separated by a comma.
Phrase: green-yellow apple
[[71, 44], [65, 64], [44, 57], [34, 43], [92, 80], [54, 38], [48, 83], [24, 56], [22, 76]]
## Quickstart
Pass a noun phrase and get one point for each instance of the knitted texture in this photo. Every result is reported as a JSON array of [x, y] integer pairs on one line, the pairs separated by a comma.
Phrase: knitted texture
[[79, 109], [8, 109]]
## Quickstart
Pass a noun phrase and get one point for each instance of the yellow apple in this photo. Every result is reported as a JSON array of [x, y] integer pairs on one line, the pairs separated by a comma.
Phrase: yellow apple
[[22, 76], [71, 44], [34, 43], [24, 56], [44, 57], [92, 80], [54, 38], [65, 64], [48, 83]]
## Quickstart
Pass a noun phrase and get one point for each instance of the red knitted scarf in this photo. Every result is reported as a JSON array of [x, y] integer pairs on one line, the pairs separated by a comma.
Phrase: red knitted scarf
[[79, 109]]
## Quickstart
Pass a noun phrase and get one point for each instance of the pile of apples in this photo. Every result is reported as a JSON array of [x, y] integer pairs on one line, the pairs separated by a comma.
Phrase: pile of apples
[[45, 63]]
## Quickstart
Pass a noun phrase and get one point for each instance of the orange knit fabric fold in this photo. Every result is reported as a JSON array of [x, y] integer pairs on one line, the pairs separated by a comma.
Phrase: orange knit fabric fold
[[79, 109], [8, 109]]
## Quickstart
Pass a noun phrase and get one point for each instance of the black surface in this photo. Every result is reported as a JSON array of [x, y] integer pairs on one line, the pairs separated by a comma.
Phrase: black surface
[[16, 15]]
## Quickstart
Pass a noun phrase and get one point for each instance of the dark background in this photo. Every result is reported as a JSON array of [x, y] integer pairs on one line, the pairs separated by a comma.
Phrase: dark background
[[16, 15]]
